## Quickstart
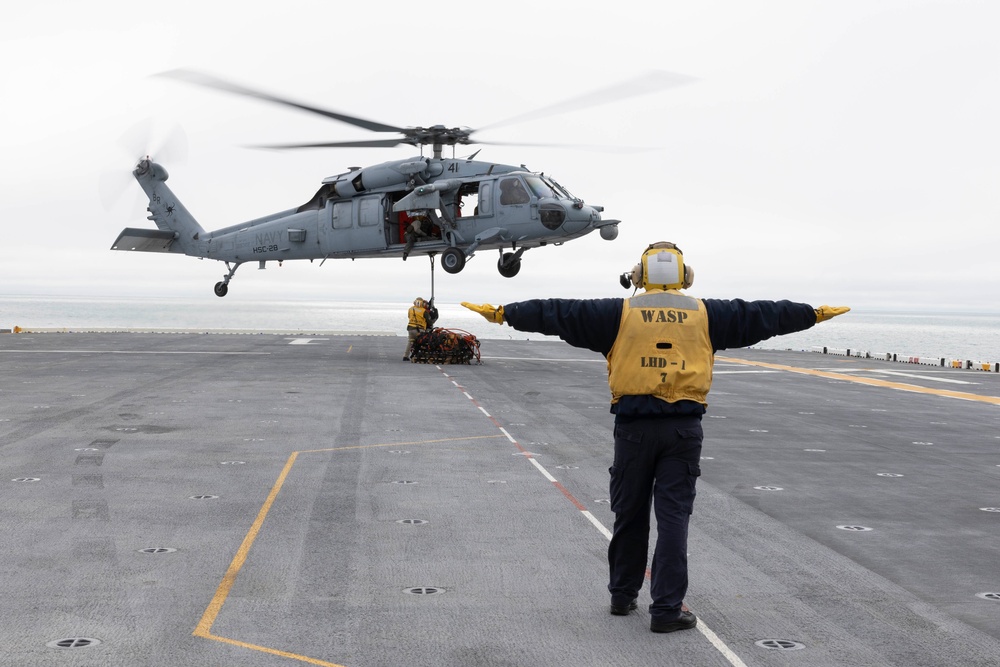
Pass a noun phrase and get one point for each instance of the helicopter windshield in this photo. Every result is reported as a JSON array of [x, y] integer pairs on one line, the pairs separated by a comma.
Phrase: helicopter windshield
[[539, 187], [559, 188]]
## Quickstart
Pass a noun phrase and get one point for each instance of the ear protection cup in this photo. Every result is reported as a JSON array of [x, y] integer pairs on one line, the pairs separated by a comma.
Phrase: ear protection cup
[[636, 275]]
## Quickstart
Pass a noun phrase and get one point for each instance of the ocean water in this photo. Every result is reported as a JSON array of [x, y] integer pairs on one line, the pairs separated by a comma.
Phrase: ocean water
[[969, 336]]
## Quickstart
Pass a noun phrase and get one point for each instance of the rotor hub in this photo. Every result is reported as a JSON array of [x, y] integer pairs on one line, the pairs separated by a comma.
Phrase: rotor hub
[[437, 135]]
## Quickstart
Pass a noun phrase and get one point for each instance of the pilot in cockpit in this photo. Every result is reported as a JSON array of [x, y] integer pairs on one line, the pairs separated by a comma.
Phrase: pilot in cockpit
[[513, 192]]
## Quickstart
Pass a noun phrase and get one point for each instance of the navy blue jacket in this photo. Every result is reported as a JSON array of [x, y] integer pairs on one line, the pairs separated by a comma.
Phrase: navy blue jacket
[[593, 324]]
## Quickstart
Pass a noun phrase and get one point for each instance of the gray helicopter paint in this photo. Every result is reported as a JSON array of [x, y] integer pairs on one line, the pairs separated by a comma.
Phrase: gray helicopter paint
[[522, 566], [369, 231], [432, 187]]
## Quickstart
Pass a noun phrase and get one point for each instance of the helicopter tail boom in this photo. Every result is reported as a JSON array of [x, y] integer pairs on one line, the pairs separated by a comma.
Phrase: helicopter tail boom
[[177, 231]]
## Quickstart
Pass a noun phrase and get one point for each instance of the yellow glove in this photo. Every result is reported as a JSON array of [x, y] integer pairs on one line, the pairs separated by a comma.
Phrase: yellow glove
[[492, 314], [824, 313]]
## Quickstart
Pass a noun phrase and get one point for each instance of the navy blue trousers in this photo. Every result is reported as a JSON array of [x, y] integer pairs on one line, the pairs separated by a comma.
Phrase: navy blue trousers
[[656, 464]]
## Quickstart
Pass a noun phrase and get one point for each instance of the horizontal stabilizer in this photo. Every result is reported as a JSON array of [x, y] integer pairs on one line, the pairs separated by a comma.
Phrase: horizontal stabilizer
[[144, 240]]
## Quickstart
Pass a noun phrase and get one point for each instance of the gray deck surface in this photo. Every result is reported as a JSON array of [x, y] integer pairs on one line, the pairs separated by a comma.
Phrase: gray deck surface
[[279, 472]]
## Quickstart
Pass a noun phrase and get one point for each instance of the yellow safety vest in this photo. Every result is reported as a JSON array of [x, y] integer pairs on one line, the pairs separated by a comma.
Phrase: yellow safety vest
[[662, 349], [417, 321]]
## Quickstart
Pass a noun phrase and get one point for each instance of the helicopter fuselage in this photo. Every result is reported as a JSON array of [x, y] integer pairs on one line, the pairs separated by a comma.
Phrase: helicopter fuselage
[[463, 205], [430, 206], [363, 215]]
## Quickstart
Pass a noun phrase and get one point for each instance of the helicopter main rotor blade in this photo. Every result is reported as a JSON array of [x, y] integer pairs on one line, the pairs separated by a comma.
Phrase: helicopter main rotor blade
[[651, 82], [579, 147], [440, 135], [376, 143], [201, 79]]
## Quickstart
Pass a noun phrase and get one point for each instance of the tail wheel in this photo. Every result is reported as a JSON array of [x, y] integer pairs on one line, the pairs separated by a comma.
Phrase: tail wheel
[[507, 268], [221, 289], [453, 260]]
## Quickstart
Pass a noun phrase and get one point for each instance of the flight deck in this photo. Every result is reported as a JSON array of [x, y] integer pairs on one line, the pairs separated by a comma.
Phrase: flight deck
[[309, 498]]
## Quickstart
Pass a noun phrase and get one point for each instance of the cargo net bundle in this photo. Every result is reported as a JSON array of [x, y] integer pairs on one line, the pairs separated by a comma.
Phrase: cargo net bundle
[[445, 346]]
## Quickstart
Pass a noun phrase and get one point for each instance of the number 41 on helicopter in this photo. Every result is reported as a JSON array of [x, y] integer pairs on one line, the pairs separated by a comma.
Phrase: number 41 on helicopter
[[452, 207]]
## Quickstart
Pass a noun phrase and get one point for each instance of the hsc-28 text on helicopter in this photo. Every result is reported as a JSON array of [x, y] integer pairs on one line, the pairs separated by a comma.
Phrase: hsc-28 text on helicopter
[[427, 206]]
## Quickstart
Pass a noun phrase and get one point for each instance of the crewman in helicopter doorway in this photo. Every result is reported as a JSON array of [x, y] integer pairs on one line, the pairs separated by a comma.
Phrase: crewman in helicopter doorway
[[418, 230], [660, 346]]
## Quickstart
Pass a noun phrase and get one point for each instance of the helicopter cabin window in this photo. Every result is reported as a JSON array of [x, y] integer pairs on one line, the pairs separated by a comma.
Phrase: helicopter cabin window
[[369, 212], [468, 200], [485, 206], [342, 215], [513, 192]]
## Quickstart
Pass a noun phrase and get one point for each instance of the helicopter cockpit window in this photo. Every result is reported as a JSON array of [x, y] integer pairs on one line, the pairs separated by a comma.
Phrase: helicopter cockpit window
[[513, 192], [539, 187]]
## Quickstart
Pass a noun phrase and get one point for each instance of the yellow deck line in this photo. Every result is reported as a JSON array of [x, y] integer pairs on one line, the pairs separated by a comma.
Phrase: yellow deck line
[[872, 382], [204, 627], [398, 444]]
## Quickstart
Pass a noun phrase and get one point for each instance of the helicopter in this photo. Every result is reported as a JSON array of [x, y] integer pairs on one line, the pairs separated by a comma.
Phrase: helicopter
[[452, 207]]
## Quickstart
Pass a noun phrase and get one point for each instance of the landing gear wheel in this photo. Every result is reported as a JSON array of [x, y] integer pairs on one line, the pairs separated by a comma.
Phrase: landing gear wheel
[[222, 287], [453, 260], [510, 270]]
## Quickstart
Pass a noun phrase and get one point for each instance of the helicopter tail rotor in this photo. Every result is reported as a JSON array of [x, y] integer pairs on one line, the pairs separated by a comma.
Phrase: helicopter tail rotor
[[140, 142]]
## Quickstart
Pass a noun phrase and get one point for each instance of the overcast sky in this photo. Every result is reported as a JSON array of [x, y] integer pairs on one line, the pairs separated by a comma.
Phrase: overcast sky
[[829, 152]]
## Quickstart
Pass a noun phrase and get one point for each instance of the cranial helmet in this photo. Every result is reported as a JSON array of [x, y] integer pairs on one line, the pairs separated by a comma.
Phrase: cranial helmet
[[661, 267]]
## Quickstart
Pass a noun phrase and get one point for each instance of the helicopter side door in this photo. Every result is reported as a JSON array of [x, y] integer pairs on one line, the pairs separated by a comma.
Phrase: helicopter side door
[[515, 205], [354, 225], [484, 202]]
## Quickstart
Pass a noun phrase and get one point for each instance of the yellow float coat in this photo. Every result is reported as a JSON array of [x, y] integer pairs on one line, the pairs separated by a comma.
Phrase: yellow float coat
[[416, 315], [662, 349]]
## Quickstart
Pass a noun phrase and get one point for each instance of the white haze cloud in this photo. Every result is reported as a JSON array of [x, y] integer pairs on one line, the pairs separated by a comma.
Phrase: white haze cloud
[[830, 152]]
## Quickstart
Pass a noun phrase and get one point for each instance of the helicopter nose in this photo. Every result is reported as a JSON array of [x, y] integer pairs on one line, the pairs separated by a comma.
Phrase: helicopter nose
[[580, 220], [572, 220]]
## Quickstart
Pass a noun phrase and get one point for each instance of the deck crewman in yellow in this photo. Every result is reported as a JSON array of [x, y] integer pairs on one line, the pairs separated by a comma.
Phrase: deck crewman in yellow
[[662, 349], [660, 346], [416, 324]]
